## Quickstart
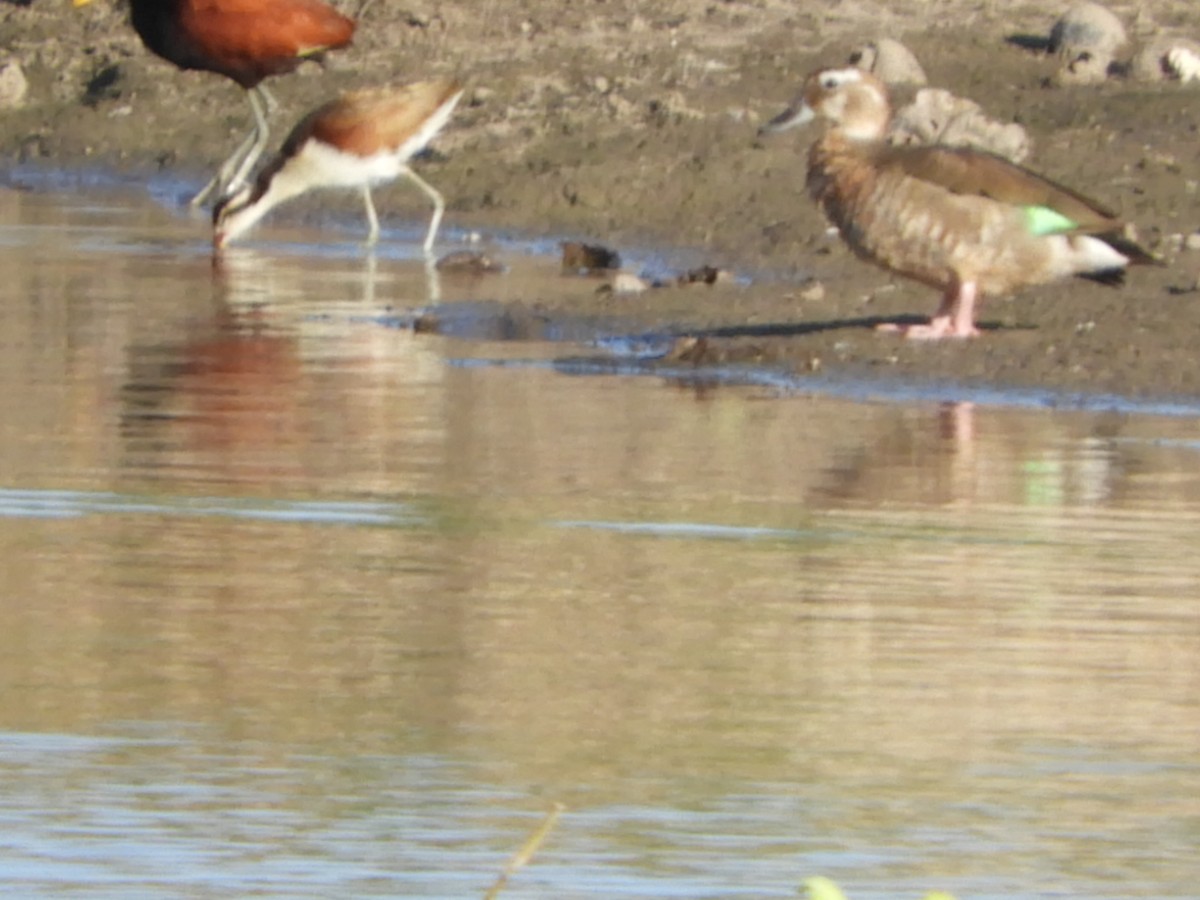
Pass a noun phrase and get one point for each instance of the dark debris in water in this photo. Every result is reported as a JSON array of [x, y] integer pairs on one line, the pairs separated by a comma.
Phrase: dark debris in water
[[469, 262], [588, 259], [488, 321], [704, 275]]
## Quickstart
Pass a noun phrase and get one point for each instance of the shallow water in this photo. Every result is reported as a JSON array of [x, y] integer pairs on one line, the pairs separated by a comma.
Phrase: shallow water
[[302, 603]]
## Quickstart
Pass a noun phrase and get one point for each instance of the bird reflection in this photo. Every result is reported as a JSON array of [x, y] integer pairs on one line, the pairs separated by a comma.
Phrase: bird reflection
[[244, 277], [283, 368], [224, 401]]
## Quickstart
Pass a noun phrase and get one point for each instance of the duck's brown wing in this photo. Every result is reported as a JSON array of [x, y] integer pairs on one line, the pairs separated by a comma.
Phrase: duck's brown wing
[[966, 171]]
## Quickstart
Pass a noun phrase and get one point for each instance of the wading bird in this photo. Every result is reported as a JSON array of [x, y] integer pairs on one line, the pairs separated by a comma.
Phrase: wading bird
[[360, 139], [247, 41]]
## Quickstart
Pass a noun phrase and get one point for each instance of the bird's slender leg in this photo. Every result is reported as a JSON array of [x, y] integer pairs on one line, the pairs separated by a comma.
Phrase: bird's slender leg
[[215, 187], [369, 279], [962, 323], [439, 207], [372, 218], [268, 99], [433, 280], [234, 170], [260, 101], [955, 316]]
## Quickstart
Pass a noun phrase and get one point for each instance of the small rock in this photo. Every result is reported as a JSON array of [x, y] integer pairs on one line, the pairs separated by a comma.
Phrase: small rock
[[689, 348], [1184, 63], [936, 116], [587, 259], [1089, 67], [426, 323], [13, 86], [628, 283], [621, 107], [704, 275], [468, 262], [889, 61], [1167, 59], [1192, 241], [813, 292], [1090, 27]]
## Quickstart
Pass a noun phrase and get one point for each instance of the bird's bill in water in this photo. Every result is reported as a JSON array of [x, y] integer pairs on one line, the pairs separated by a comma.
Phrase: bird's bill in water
[[799, 114]]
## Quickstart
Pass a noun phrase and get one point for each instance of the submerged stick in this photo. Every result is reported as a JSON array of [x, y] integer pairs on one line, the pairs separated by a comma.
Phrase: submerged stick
[[522, 857]]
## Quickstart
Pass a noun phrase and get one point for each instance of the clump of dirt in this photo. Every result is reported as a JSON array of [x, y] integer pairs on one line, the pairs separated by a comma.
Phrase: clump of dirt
[[627, 124]]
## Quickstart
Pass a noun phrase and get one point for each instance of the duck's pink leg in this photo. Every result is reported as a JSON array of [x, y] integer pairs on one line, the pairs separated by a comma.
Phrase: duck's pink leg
[[954, 318]]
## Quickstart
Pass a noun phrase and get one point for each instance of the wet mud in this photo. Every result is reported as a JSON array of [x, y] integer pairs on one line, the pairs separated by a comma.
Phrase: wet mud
[[633, 125]]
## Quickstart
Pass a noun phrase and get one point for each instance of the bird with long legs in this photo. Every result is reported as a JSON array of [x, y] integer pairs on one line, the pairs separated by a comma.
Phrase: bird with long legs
[[964, 221], [247, 41], [357, 140]]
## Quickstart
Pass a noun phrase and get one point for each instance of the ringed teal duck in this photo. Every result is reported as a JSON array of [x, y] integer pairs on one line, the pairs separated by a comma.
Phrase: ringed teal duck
[[960, 220]]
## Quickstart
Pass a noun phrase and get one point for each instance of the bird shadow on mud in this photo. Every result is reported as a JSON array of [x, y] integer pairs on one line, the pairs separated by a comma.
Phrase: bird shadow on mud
[[800, 329]]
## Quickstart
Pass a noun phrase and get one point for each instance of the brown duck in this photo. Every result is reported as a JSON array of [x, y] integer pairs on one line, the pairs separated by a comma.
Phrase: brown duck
[[963, 221]]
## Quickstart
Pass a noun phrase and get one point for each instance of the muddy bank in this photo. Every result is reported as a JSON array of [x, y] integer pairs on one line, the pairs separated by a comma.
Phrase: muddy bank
[[629, 123]]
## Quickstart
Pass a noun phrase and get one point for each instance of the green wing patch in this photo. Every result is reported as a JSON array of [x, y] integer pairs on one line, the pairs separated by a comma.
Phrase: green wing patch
[[1042, 220]]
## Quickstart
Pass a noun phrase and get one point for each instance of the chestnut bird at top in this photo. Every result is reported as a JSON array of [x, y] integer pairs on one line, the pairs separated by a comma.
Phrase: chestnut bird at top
[[247, 41], [963, 221]]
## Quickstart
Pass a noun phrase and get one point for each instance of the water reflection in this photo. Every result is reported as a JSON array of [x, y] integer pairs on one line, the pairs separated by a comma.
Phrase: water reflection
[[298, 603]]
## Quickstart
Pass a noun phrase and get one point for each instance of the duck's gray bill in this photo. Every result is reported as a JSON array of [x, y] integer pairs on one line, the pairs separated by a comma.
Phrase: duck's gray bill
[[801, 114]]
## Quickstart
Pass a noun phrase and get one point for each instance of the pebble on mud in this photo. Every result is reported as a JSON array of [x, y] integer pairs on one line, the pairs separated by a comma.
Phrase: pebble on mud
[[889, 61], [1167, 59], [625, 283], [692, 349], [705, 275], [813, 292], [13, 86], [579, 258], [1086, 68], [937, 116], [469, 262], [1086, 40], [1087, 27]]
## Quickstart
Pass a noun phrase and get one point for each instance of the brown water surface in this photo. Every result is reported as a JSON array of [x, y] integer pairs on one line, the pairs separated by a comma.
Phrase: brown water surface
[[297, 602]]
